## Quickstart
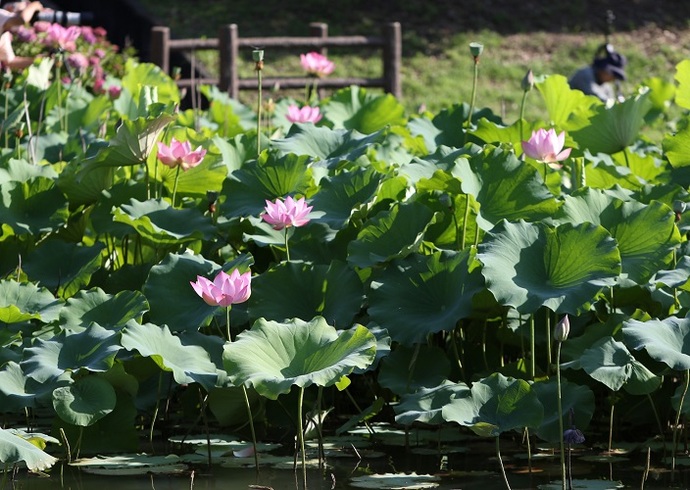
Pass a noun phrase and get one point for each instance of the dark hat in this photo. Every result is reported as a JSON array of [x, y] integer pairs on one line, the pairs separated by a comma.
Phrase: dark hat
[[614, 63]]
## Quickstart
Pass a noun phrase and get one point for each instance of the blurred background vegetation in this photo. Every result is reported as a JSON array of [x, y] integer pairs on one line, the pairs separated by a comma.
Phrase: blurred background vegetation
[[547, 37]]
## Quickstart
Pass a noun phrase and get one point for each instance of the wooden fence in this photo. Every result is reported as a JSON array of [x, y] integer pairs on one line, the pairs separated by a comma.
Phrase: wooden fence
[[229, 44]]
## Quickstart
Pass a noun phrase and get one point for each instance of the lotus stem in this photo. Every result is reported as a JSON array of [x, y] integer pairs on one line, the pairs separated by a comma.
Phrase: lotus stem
[[613, 406], [258, 115], [68, 450], [251, 426], [548, 341], [675, 427], [474, 91], [658, 422], [532, 365], [465, 220], [287, 248], [522, 113], [560, 411], [500, 462], [227, 322], [177, 176], [300, 434], [625, 154], [156, 409]]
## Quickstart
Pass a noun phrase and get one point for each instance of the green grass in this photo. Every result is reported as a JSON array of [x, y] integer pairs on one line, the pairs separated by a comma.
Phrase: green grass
[[437, 69]]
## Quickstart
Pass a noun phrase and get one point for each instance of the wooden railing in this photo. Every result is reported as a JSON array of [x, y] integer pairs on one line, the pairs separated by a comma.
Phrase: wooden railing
[[229, 44]]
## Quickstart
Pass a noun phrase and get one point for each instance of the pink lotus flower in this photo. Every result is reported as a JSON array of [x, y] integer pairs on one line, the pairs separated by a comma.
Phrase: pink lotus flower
[[304, 115], [180, 154], [63, 37], [6, 51], [77, 61], [114, 92], [225, 289], [283, 214], [546, 146], [317, 64]]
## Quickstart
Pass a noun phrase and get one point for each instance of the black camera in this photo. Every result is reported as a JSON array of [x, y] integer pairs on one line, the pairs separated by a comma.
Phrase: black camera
[[64, 18]]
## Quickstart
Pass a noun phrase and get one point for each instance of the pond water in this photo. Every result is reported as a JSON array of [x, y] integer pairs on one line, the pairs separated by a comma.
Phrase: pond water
[[470, 466]]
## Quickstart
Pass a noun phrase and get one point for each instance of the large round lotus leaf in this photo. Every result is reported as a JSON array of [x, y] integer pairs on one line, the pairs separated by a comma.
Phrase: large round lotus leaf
[[188, 363], [408, 369], [666, 341], [246, 190], [20, 302], [420, 295], [425, 405], [158, 222], [93, 349], [528, 266], [505, 187], [274, 356], [576, 398], [561, 101], [15, 449], [682, 76], [20, 391], [331, 146], [497, 404], [303, 290], [646, 234], [344, 193], [355, 108], [96, 306], [33, 207], [390, 234], [85, 402], [612, 129], [609, 362]]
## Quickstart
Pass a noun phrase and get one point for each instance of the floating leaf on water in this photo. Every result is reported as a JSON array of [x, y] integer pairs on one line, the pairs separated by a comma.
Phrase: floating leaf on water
[[586, 484], [131, 464], [395, 481], [603, 458]]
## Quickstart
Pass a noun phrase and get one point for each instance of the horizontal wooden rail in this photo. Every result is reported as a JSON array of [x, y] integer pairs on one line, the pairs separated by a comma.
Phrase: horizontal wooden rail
[[229, 43]]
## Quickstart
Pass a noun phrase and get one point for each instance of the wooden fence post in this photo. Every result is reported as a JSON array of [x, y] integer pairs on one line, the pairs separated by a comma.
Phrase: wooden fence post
[[320, 30], [160, 47], [392, 58], [228, 52]]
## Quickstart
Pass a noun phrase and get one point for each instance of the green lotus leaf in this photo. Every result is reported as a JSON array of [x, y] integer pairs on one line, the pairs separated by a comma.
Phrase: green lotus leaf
[[392, 233], [172, 300], [673, 278], [272, 356], [272, 176], [63, 266], [421, 295], [662, 93], [84, 402], [133, 143], [331, 146], [344, 194], [505, 188], [33, 207], [493, 133], [140, 77], [426, 168], [231, 116], [609, 362], [682, 76], [602, 172], [93, 349], [83, 185], [20, 391], [20, 302], [119, 194], [228, 405], [576, 399], [355, 108], [158, 222], [426, 404], [646, 234], [188, 363], [677, 147], [303, 290], [408, 369], [666, 341], [236, 151], [22, 171], [561, 101], [612, 129], [501, 403], [528, 266], [96, 306], [15, 449]]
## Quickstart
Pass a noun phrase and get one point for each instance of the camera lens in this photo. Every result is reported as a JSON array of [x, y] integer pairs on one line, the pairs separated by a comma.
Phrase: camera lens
[[64, 18]]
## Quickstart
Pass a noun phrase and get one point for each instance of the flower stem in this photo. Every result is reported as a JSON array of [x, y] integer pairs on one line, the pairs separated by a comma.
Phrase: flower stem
[[465, 220], [500, 462], [522, 112], [227, 322], [300, 434], [560, 412], [287, 248], [675, 427], [532, 366], [251, 426], [474, 91], [258, 115], [177, 176]]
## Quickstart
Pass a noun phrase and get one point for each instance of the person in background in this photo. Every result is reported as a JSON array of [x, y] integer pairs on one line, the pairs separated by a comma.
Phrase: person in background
[[602, 76], [12, 15]]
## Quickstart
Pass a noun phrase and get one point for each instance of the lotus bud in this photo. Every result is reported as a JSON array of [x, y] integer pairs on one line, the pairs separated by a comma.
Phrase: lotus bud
[[176, 73], [527, 83], [476, 49], [573, 436], [562, 329], [445, 200]]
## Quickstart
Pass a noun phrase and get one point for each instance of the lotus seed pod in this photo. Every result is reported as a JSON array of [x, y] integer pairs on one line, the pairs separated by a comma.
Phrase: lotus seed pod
[[476, 49], [562, 330], [258, 55]]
